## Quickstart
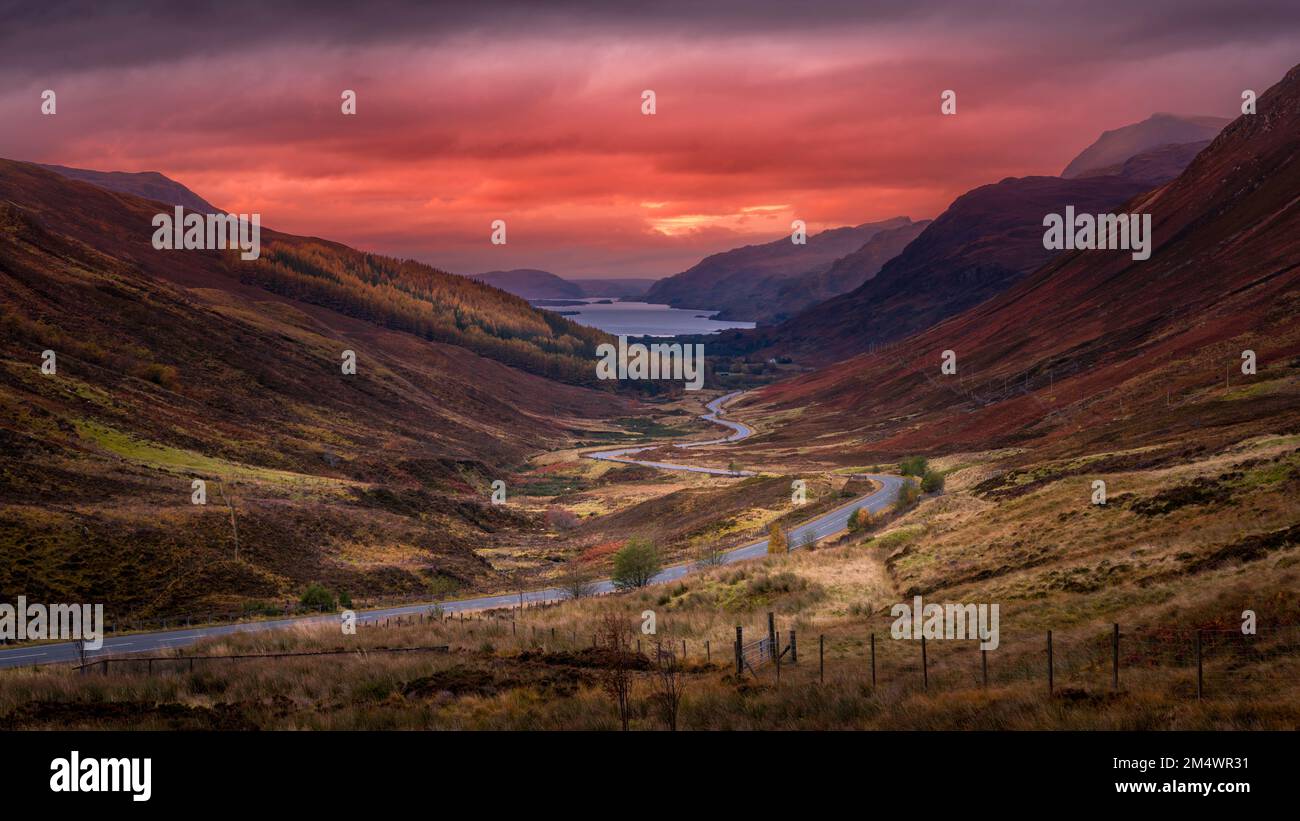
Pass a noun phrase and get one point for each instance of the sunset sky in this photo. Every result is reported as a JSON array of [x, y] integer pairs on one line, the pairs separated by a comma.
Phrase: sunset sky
[[766, 112]]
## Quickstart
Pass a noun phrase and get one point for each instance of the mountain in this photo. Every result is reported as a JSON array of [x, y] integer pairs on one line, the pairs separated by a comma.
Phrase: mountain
[[984, 242], [744, 283], [847, 272], [147, 184], [632, 287], [1155, 166], [531, 283], [1098, 350], [1112, 148], [173, 366]]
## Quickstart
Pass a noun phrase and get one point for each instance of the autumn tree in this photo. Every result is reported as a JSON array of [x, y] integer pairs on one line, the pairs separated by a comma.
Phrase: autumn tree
[[776, 541]]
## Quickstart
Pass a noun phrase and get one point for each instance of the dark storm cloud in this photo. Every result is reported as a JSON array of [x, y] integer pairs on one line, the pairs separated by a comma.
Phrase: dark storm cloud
[[70, 36]]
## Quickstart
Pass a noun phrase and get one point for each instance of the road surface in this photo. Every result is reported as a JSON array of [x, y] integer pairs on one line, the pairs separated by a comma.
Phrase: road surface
[[824, 525]]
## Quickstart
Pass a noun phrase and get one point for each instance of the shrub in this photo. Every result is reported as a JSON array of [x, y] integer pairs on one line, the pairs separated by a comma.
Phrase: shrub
[[860, 520], [635, 564], [913, 466], [345, 599], [932, 482], [317, 596], [907, 496], [560, 518]]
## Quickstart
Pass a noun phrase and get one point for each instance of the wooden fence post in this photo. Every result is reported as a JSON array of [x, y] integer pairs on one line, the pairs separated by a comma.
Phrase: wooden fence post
[[1114, 658], [740, 670], [925, 666], [984, 666], [873, 661], [821, 657], [771, 630], [708, 654], [794, 648], [1050, 682], [683, 650], [1200, 677]]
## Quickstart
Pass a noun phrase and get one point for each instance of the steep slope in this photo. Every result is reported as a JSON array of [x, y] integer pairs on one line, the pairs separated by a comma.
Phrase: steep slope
[[983, 243], [174, 366], [147, 184], [399, 294], [1112, 148], [531, 283], [847, 272], [1096, 351], [744, 283], [1160, 164]]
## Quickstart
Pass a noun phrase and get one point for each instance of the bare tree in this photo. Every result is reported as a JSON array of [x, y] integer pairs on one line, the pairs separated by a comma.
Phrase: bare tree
[[710, 556], [668, 680], [234, 528], [578, 581], [616, 677]]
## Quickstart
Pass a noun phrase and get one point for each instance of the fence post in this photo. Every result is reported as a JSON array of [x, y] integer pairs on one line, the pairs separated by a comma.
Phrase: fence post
[[1050, 682], [794, 648], [925, 666], [821, 657], [683, 650], [771, 629], [1200, 678], [1114, 658], [984, 666], [708, 654], [739, 660], [873, 661]]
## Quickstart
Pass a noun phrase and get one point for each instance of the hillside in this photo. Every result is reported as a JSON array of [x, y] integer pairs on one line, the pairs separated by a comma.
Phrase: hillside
[[1095, 351], [147, 184], [1156, 165], [531, 283], [1112, 148], [983, 243], [173, 366], [745, 283], [399, 294]]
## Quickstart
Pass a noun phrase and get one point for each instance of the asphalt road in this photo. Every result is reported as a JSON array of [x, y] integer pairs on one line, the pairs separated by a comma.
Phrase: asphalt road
[[825, 525]]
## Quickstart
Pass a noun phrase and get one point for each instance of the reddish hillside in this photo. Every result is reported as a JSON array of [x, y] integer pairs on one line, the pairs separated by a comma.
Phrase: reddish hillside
[[1097, 345], [983, 243], [173, 367]]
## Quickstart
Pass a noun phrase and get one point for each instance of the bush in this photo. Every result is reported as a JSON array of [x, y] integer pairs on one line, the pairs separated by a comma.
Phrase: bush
[[859, 519], [913, 466], [907, 496], [932, 482], [635, 564], [559, 518], [317, 596], [345, 599]]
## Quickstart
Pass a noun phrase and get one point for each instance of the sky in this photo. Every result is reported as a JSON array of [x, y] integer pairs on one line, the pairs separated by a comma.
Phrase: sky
[[468, 113]]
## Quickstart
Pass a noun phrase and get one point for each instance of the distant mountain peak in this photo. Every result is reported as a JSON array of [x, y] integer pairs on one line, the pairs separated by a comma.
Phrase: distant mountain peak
[[1116, 146]]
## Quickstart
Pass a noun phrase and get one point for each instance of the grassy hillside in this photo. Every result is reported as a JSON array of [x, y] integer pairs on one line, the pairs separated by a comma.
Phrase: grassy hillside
[[173, 367]]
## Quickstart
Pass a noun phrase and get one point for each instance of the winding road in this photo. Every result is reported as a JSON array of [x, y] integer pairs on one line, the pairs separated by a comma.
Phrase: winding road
[[827, 524]]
